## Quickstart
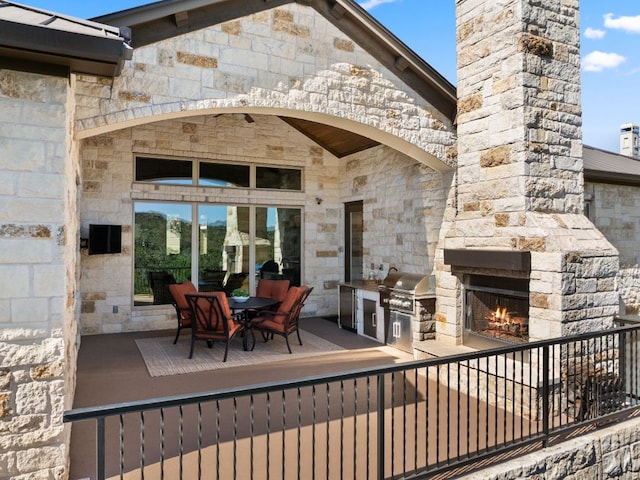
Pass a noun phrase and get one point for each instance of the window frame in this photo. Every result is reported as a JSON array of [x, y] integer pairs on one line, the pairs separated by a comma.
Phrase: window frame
[[195, 173]]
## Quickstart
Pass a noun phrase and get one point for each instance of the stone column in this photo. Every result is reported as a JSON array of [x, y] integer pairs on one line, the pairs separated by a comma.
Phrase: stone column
[[519, 178], [38, 258], [519, 111]]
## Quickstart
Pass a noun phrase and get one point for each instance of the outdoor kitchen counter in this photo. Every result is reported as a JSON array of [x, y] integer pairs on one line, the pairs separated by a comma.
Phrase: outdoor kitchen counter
[[360, 308], [362, 285]]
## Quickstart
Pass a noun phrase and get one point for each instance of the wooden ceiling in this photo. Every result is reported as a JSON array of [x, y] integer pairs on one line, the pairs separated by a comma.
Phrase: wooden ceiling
[[337, 141]]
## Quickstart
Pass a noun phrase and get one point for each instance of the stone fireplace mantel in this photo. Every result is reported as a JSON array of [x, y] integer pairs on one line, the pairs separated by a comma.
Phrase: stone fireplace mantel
[[494, 259]]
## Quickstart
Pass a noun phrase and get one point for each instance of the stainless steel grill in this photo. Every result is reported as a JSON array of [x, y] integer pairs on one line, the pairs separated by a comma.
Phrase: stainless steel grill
[[408, 288], [398, 294]]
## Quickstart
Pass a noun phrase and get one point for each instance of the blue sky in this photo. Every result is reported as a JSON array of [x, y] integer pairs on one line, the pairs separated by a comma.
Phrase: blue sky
[[610, 50]]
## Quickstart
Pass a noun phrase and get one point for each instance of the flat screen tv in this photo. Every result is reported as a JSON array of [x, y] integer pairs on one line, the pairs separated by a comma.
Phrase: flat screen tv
[[105, 239]]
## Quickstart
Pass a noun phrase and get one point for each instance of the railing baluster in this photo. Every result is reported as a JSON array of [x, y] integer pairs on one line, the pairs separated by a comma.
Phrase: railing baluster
[[458, 439], [545, 394], [505, 397], [313, 431], [268, 435], [438, 408], [162, 444], [284, 429], [404, 421], [142, 445], [380, 427], [487, 401], [341, 429], [368, 428], [217, 440], [251, 417], [328, 463], [199, 440], [181, 439], [355, 428], [415, 420], [235, 438], [448, 413], [478, 382], [121, 422], [393, 422], [427, 416], [468, 426], [100, 448], [299, 430]]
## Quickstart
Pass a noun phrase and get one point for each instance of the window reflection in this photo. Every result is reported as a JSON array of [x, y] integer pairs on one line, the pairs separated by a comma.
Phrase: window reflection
[[223, 175], [223, 262], [279, 178], [278, 242], [222, 247], [162, 250]]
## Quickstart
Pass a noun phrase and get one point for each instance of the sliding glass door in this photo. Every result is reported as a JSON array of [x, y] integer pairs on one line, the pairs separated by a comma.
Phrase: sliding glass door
[[233, 246]]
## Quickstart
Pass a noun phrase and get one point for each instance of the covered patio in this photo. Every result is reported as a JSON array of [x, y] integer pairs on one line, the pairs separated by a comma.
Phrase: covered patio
[[112, 370]]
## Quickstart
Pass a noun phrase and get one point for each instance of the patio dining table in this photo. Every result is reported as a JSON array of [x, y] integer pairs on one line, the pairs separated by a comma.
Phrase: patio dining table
[[242, 310]]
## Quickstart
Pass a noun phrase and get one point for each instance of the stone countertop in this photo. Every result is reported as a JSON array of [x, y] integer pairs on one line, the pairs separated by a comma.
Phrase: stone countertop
[[362, 285]]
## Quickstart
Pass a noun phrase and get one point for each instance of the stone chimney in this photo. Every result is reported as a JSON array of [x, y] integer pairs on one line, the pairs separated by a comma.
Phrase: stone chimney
[[519, 182]]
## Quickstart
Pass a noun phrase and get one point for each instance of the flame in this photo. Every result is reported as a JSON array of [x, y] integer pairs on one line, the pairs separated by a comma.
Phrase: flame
[[502, 314]]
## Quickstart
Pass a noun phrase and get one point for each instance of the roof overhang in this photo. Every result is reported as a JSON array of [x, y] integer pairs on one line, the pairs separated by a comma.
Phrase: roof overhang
[[36, 40], [601, 166]]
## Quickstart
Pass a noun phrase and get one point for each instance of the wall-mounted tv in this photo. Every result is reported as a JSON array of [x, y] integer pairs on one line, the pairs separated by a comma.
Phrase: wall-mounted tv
[[105, 239]]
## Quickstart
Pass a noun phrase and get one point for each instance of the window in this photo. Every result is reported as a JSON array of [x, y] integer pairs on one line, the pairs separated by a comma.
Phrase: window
[[219, 254], [278, 243], [164, 171], [216, 174], [162, 250], [223, 175], [587, 209], [278, 178]]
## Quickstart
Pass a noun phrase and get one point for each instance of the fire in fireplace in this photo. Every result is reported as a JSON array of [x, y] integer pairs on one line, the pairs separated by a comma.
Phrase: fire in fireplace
[[498, 308]]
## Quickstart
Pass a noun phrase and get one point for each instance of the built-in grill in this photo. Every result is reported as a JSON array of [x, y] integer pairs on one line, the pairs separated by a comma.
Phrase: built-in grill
[[399, 293], [408, 288]]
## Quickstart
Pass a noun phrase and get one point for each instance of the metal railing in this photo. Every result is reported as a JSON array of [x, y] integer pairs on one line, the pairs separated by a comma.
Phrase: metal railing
[[410, 420]]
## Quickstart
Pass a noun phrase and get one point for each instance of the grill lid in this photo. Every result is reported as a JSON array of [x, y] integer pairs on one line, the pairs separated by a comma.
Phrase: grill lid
[[416, 284], [391, 279]]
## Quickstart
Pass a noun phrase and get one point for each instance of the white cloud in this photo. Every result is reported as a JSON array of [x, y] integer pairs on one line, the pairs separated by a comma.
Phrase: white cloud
[[369, 4], [628, 24], [594, 33], [597, 61]]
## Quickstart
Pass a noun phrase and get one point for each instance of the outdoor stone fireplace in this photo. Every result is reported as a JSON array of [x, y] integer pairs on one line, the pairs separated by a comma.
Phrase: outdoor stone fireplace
[[517, 202]]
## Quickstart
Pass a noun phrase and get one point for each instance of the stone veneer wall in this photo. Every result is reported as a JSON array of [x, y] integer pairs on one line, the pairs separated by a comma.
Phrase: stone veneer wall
[[610, 453], [403, 206], [615, 210], [38, 245], [519, 177]]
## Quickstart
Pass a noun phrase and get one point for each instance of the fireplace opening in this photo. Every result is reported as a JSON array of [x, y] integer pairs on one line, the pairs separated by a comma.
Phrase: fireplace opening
[[497, 309]]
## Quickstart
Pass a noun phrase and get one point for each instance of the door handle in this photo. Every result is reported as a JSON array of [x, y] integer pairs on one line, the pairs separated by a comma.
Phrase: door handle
[[373, 319]]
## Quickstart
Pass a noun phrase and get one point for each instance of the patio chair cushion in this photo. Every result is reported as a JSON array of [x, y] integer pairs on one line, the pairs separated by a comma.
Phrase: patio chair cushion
[[212, 319], [178, 292], [289, 300], [275, 289], [212, 328]]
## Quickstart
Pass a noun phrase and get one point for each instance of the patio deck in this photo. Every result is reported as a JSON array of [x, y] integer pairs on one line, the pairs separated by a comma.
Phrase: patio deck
[[111, 370]]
